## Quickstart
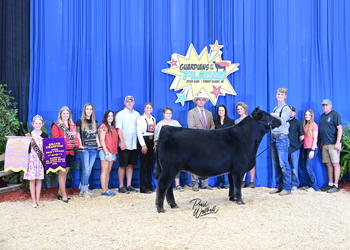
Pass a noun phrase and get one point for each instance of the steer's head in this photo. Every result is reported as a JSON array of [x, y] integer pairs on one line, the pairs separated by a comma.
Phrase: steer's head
[[266, 119]]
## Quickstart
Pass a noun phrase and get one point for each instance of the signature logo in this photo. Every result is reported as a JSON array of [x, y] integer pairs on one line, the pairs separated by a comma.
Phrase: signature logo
[[202, 209]]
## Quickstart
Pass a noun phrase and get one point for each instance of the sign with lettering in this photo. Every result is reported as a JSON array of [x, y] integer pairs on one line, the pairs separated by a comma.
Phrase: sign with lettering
[[204, 74], [55, 154], [16, 154]]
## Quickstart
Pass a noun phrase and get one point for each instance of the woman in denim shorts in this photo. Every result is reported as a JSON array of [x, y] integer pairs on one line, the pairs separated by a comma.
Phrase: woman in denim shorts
[[109, 141]]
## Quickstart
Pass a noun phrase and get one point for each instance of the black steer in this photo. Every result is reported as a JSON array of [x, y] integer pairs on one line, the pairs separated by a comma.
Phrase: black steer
[[208, 153]]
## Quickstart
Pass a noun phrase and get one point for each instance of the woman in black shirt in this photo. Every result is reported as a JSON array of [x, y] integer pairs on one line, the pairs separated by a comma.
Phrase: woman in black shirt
[[223, 121], [87, 133]]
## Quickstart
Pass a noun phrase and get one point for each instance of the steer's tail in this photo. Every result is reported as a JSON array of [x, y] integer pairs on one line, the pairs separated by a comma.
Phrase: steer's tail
[[157, 166]]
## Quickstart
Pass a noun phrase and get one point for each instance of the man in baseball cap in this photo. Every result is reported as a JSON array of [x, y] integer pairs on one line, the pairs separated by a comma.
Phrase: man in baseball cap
[[331, 131], [296, 135], [126, 126]]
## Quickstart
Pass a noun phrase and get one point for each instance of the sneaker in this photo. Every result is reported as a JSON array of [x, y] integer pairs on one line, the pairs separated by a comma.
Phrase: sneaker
[[334, 189], [110, 192], [89, 193], [85, 195], [195, 188], [252, 185], [244, 184], [106, 194], [131, 188], [179, 188], [123, 190], [275, 191], [294, 188], [326, 188], [305, 188], [284, 192], [81, 194], [310, 190], [207, 187]]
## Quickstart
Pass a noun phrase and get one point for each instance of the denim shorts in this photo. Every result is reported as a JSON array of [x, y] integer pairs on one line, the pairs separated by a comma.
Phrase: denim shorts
[[102, 156]]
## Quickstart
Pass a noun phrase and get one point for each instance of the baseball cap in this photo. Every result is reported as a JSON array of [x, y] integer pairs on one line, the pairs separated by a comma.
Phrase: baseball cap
[[326, 102], [292, 108], [129, 97]]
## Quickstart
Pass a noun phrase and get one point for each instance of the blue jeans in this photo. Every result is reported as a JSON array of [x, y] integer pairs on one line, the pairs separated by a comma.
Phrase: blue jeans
[[279, 149], [87, 159], [223, 181], [309, 164], [294, 164]]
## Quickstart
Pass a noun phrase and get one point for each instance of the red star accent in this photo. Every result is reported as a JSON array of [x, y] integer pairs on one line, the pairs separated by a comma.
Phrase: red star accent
[[173, 62], [216, 91]]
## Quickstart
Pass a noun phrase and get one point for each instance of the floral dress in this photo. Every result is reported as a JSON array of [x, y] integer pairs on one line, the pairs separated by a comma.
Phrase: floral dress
[[35, 169]]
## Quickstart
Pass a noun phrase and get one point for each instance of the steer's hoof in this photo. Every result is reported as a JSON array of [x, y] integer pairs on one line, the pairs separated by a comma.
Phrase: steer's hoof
[[160, 210], [232, 198], [240, 202], [174, 205]]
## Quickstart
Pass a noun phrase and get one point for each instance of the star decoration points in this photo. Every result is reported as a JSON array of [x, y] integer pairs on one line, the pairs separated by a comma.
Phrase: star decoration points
[[216, 91], [173, 63], [181, 99], [216, 47]]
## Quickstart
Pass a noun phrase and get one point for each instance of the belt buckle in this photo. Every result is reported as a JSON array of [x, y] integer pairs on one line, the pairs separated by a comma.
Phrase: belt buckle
[[151, 137]]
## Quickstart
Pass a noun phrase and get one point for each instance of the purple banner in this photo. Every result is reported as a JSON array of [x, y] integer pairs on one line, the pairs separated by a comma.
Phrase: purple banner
[[55, 154], [16, 155]]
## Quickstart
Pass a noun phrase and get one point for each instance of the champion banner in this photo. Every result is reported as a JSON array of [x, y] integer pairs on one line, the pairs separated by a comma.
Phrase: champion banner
[[16, 155], [55, 154]]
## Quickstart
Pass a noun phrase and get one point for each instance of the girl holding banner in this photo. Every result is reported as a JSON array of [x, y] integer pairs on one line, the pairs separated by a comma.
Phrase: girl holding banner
[[109, 141], [65, 127], [87, 127], [35, 172]]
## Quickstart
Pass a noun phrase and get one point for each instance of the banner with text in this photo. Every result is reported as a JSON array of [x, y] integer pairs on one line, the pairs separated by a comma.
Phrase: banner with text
[[55, 154], [16, 155]]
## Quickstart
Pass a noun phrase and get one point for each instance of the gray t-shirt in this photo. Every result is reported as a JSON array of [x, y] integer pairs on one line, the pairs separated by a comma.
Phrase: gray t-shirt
[[238, 120]]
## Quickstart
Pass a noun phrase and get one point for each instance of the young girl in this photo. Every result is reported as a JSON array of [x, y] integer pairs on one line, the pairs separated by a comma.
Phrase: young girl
[[65, 127], [310, 147], [87, 127], [35, 172], [109, 141]]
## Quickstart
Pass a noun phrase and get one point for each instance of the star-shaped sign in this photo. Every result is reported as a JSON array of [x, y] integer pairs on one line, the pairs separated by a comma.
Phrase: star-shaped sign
[[216, 91], [216, 47], [201, 72], [181, 99], [173, 63]]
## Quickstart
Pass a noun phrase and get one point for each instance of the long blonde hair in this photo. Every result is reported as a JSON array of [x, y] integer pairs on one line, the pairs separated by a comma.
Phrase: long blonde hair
[[70, 115], [312, 119], [84, 125]]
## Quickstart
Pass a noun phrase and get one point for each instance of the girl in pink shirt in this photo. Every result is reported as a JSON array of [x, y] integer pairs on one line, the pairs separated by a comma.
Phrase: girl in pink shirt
[[310, 147]]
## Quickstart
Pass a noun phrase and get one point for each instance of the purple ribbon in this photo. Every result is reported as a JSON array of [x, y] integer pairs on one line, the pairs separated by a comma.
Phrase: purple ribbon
[[203, 120]]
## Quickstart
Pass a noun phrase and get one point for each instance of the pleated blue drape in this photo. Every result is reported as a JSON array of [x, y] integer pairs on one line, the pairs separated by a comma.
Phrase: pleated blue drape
[[101, 51]]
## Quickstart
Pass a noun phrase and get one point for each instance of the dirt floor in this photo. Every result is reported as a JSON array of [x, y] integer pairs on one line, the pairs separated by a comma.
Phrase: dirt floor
[[130, 221]]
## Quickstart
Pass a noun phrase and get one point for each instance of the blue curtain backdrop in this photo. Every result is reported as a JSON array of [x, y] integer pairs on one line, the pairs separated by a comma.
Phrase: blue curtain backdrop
[[101, 51]]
